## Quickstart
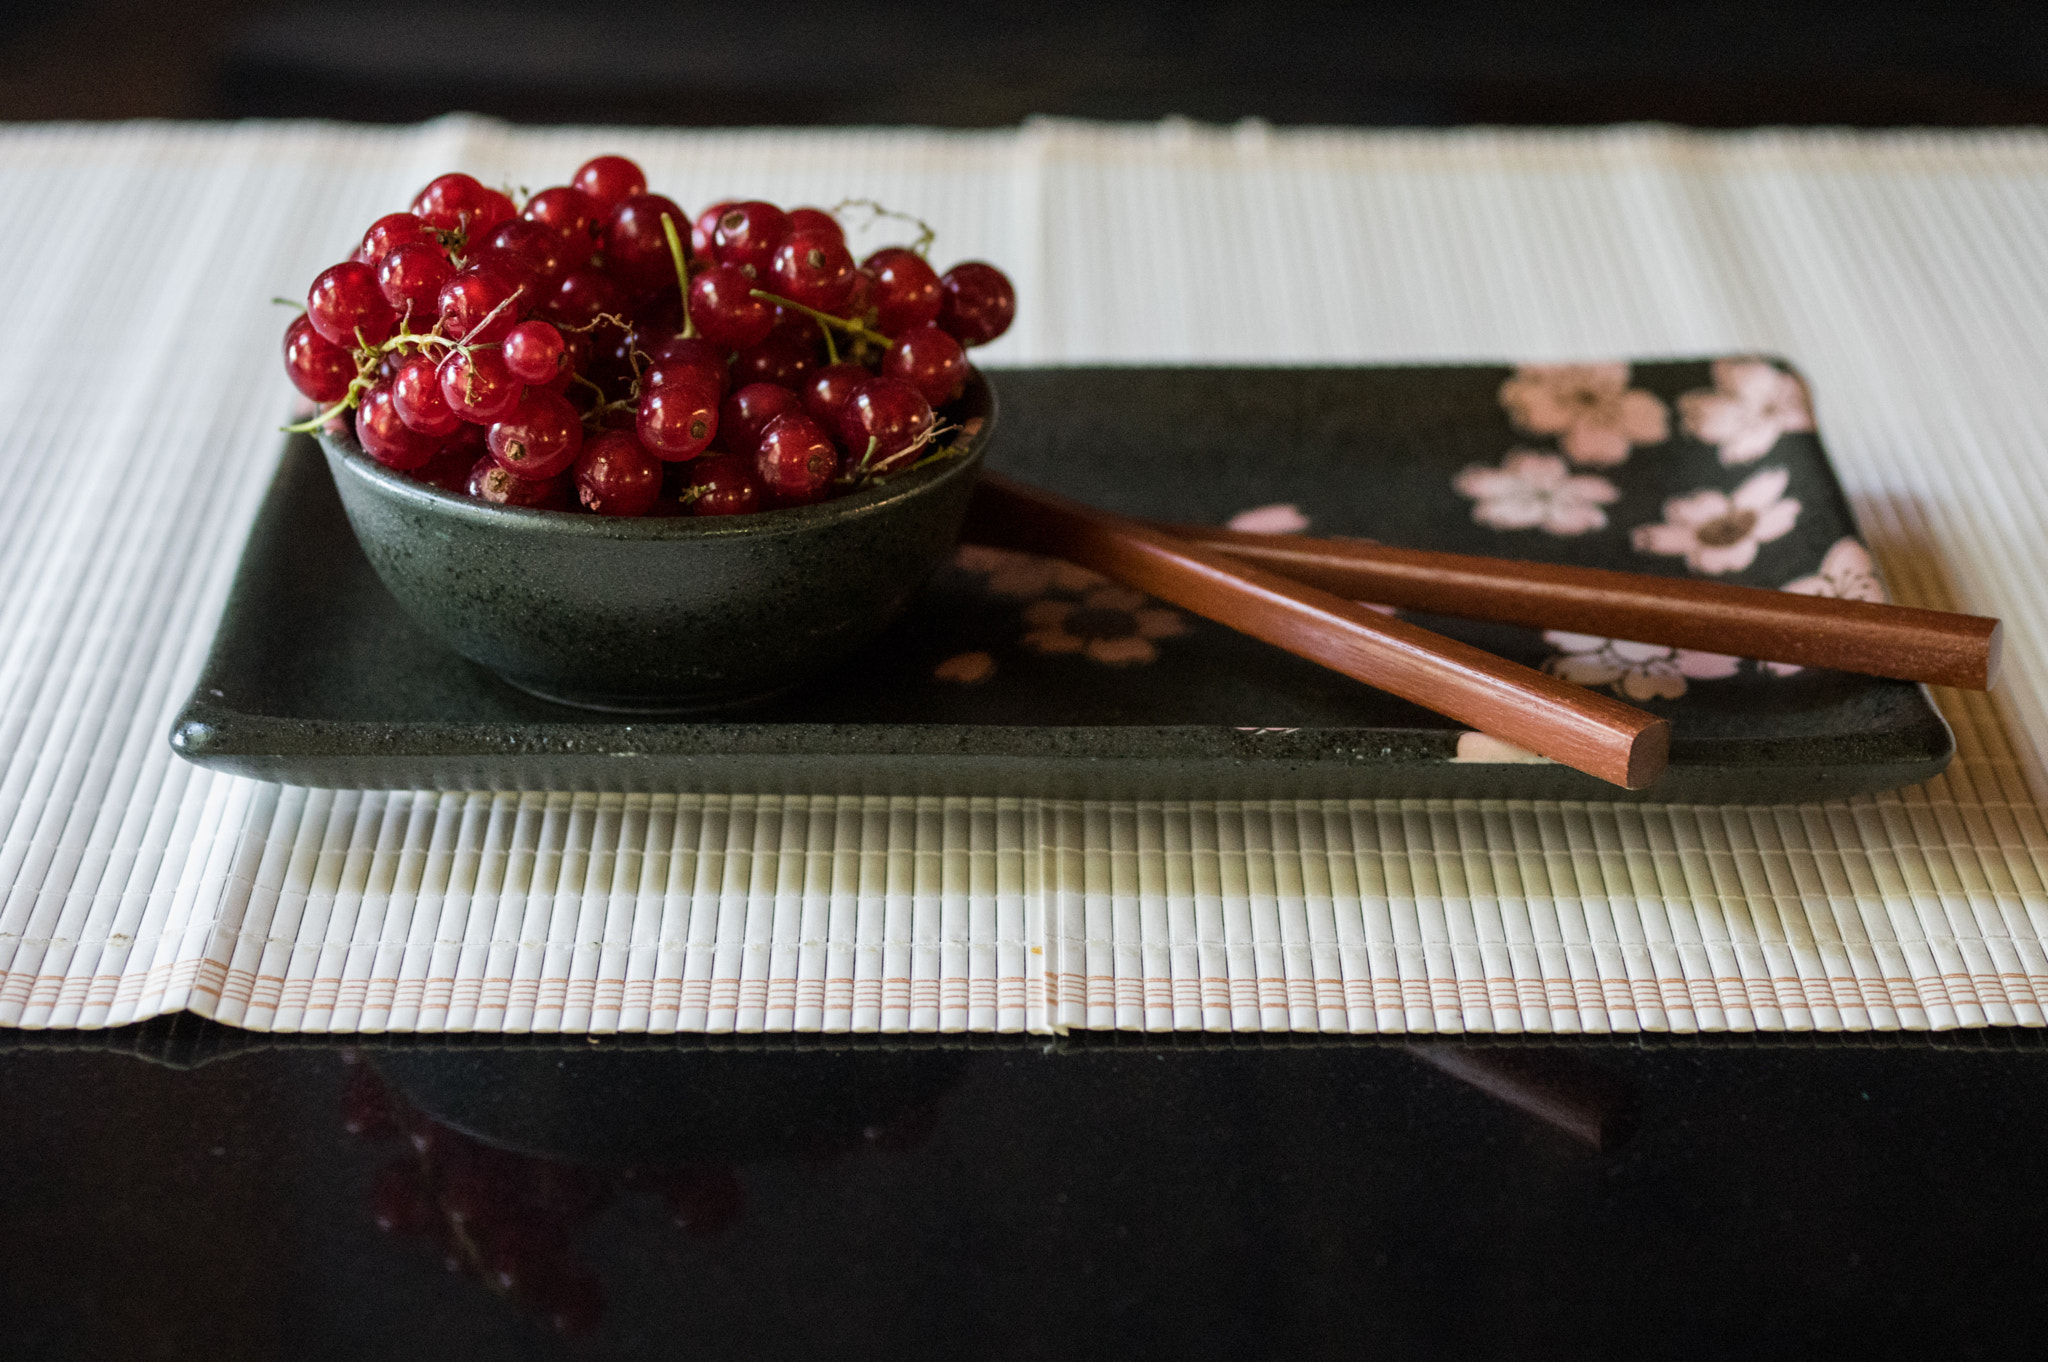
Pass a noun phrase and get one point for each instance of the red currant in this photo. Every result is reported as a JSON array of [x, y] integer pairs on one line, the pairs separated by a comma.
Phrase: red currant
[[724, 485], [488, 481], [816, 220], [416, 392], [390, 232], [825, 391], [814, 269], [747, 236], [386, 438], [610, 181], [459, 203], [635, 246], [783, 358], [319, 368], [570, 214], [534, 352], [694, 352], [345, 303], [539, 438], [449, 468], [883, 425], [794, 461], [907, 291], [615, 475], [929, 360], [678, 421], [481, 303], [411, 278], [545, 254], [704, 229], [747, 413], [978, 302], [582, 297], [724, 308], [477, 386]]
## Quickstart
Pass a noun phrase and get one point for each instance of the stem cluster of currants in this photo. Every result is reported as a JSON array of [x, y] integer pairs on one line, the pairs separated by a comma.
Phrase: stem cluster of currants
[[599, 348]]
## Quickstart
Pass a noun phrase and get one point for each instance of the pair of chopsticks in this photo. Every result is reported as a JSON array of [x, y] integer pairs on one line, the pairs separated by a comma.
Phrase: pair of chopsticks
[[1299, 594]]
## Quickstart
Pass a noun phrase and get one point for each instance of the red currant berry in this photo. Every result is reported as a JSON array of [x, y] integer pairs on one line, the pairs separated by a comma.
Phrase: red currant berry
[[481, 303], [813, 269], [782, 358], [978, 302], [795, 461], [610, 181], [459, 203], [860, 303], [615, 475], [929, 360], [883, 425], [816, 220], [386, 438], [825, 391], [724, 484], [540, 438], [635, 246], [747, 236], [477, 386], [390, 232], [345, 301], [534, 352], [582, 297], [411, 278], [546, 255], [678, 421], [319, 368], [723, 306], [747, 413], [449, 468], [570, 214], [705, 229], [693, 352], [488, 481], [575, 359], [907, 290], [416, 392]]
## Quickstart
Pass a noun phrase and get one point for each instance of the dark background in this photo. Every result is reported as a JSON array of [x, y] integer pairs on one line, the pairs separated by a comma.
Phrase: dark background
[[967, 64]]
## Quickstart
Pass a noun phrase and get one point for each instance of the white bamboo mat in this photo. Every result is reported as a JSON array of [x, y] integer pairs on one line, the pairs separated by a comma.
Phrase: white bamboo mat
[[140, 391]]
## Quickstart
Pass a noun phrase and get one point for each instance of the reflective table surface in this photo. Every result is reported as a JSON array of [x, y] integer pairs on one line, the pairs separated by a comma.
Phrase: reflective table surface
[[180, 1190]]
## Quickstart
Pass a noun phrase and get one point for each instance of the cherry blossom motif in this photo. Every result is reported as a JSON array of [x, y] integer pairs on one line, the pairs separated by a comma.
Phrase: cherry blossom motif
[[1846, 573], [1718, 532], [1636, 671], [1751, 404], [1281, 518], [1532, 490], [1591, 409], [1024, 576], [1479, 747], [1111, 624], [966, 669]]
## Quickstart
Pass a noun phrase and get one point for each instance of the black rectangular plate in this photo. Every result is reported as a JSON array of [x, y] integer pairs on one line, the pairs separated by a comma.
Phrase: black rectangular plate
[[1011, 677]]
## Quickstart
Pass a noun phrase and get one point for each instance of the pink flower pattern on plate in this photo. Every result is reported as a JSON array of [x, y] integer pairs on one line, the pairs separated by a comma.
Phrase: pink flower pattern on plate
[[1112, 625], [1751, 404], [1636, 671], [1596, 416], [1717, 532], [1533, 490], [1280, 518], [1846, 573]]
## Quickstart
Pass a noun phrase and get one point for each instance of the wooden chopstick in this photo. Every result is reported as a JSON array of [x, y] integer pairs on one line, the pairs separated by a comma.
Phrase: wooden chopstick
[[1569, 724], [1898, 641]]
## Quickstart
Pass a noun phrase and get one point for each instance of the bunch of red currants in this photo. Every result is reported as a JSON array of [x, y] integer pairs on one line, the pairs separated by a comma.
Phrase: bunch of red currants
[[597, 348]]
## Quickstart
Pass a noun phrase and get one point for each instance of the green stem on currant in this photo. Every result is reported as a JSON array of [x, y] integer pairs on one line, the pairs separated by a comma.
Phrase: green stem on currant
[[852, 328], [925, 235], [675, 251]]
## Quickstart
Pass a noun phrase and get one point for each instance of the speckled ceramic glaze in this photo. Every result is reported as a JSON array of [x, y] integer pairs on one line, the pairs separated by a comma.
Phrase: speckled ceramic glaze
[[666, 614]]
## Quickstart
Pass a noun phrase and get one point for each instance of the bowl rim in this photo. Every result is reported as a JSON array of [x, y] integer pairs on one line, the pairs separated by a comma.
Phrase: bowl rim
[[344, 453]]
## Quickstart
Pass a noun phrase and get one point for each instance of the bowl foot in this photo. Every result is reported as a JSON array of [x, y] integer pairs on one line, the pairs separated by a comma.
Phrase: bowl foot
[[650, 705]]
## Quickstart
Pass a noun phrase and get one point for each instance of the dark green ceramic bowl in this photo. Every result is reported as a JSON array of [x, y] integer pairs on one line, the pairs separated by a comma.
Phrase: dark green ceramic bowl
[[665, 614]]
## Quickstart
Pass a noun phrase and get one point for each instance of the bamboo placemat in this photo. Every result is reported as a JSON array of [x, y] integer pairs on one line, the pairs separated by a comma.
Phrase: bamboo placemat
[[140, 392]]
